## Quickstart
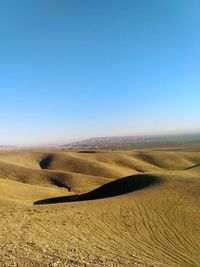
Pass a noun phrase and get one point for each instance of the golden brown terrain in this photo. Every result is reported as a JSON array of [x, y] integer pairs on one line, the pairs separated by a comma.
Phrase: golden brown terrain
[[100, 208]]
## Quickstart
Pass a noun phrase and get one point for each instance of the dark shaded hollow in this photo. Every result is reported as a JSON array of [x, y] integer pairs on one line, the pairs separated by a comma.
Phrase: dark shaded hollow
[[115, 188], [59, 183], [87, 151], [46, 161]]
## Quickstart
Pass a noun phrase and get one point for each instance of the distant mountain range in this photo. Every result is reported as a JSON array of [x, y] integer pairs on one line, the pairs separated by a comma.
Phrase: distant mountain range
[[133, 141]]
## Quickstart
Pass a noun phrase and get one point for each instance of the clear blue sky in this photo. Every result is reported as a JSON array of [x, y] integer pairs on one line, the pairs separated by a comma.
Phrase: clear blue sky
[[72, 69]]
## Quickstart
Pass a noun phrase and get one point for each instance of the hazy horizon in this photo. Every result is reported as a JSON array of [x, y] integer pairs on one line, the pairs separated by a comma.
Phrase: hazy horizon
[[68, 141], [72, 70]]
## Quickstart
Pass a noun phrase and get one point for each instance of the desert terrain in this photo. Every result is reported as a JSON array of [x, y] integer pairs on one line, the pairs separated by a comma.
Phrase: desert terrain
[[137, 207]]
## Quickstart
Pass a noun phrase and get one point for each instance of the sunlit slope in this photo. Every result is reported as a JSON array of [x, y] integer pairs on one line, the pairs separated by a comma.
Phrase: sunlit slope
[[170, 160], [15, 193], [21, 158]]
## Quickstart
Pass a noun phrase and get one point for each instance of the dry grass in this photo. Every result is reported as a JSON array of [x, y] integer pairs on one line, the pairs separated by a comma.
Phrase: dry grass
[[150, 218]]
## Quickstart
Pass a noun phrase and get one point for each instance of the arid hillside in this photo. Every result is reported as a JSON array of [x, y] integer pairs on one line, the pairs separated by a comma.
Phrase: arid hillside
[[100, 208]]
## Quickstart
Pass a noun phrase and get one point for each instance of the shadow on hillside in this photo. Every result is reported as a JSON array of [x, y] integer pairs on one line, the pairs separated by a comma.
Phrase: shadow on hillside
[[115, 188], [87, 151], [192, 167], [46, 161]]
